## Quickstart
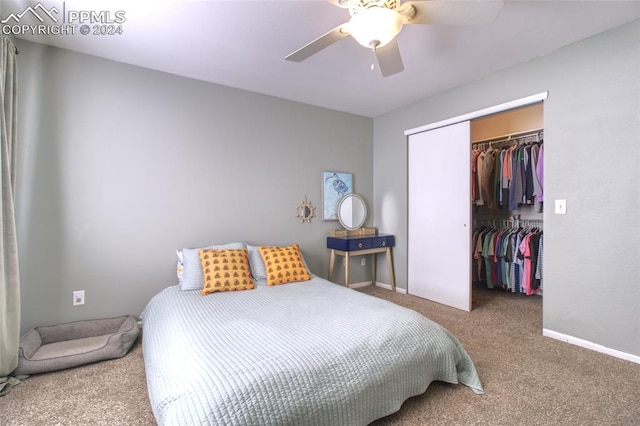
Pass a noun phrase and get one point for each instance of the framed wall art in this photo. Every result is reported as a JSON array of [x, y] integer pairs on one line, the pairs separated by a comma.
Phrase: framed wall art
[[335, 185]]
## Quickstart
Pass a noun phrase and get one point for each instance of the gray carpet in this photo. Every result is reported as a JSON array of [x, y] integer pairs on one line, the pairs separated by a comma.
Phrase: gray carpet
[[529, 379]]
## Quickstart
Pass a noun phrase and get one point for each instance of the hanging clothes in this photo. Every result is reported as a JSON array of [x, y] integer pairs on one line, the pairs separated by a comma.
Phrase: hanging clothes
[[508, 258], [507, 174], [508, 177], [540, 174]]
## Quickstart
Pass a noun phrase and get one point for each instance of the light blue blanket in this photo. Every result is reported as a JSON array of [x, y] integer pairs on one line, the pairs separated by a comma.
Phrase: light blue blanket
[[306, 353]]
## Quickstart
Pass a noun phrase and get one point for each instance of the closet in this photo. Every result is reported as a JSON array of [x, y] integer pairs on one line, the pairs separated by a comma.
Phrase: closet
[[446, 217], [507, 172]]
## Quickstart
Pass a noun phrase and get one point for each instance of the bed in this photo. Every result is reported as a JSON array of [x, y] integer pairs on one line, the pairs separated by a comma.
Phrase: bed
[[308, 352]]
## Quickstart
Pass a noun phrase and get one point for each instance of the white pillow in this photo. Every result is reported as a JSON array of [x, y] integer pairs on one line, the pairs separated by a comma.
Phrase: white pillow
[[192, 277], [256, 264], [258, 270]]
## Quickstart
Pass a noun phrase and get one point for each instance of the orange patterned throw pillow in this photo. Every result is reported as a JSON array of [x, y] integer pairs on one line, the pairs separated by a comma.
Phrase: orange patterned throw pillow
[[225, 270], [284, 264]]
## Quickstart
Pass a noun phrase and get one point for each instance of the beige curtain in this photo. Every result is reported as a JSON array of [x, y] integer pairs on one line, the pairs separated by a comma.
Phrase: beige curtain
[[9, 275]]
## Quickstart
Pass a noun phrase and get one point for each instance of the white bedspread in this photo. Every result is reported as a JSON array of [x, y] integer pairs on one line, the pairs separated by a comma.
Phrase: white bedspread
[[306, 353]]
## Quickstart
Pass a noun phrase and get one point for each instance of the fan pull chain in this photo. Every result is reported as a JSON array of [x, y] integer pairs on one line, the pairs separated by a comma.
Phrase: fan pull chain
[[374, 44], [373, 59]]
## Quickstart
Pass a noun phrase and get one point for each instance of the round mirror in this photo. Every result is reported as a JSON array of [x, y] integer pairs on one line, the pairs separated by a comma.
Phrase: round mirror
[[352, 212], [305, 211]]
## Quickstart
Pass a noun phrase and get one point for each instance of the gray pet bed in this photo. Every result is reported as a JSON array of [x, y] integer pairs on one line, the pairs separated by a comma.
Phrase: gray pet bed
[[68, 345]]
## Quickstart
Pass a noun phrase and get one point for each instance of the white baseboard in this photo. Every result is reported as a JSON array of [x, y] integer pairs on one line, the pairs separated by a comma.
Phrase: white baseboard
[[590, 345], [388, 287], [378, 284], [360, 285]]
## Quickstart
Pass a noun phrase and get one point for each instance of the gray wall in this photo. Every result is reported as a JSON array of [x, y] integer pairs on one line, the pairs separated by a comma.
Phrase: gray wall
[[592, 129], [119, 166]]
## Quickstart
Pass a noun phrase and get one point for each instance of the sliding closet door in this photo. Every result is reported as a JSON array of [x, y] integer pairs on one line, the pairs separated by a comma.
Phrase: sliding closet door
[[439, 248]]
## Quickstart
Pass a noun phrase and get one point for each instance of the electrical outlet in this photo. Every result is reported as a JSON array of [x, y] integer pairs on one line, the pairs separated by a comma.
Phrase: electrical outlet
[[78, 298], [363, 261]]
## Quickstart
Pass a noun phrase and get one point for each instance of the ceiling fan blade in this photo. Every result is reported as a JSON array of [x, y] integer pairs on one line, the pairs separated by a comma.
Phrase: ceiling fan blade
[[455, 12], [318, 44], [389, 59]]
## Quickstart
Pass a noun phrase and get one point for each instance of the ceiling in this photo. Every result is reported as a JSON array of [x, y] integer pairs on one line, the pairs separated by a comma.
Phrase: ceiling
[[242, 44]]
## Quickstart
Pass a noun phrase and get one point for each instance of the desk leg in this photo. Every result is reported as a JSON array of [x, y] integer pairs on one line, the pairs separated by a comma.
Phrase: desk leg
[[346, 269], [374, 268], [332, 262], [392, 275]]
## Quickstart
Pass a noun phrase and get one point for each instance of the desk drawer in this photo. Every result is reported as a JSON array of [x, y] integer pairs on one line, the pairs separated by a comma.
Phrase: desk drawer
[[348, 244], [383, 241], [359, 244]]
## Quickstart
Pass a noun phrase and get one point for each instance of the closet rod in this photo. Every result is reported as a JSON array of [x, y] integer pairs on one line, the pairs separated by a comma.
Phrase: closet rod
[[512, 136], [511, 221]]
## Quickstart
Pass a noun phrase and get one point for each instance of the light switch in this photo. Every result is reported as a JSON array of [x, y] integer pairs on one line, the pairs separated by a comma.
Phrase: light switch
[[561, 207]]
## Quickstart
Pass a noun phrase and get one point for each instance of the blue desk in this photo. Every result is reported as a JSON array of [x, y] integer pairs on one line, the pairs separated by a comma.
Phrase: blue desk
[[361, 246]]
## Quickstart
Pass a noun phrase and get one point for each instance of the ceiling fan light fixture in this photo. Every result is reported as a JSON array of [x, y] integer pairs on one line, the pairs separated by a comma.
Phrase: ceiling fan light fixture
[[375, 26]]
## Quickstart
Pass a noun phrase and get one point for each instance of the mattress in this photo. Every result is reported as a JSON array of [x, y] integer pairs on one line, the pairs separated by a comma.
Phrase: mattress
[[312, 353]]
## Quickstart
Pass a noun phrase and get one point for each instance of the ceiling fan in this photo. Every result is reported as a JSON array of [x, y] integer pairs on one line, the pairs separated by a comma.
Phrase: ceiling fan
[[376, 23]]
